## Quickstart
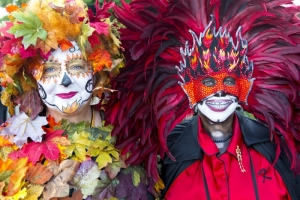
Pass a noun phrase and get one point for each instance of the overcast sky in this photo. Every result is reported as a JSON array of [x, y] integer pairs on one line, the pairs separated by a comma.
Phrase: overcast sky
[[3, 11]]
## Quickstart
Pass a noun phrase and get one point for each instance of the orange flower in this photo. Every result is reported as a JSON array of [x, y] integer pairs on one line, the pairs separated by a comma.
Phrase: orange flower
[[11, 8]]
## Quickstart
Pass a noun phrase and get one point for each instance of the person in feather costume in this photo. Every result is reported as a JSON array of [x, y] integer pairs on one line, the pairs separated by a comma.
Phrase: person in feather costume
[[202, 58]]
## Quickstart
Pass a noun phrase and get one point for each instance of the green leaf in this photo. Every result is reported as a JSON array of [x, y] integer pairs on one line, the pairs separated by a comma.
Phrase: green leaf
[[82, 40], [30, 29], [5, 175]]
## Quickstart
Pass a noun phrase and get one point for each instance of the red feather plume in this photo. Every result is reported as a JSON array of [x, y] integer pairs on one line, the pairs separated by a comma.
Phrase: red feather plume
[[150, 102]]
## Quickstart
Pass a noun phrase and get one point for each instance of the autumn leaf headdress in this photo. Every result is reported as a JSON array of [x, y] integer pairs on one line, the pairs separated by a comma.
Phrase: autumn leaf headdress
[[37, 28], [150, 102]]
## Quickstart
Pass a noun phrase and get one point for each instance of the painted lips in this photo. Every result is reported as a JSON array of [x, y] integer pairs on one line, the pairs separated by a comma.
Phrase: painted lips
[[218, 105], [66, 95]]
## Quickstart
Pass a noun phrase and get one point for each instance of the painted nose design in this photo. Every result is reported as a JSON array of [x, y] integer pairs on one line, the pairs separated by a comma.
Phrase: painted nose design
[[66, 81], [220, 94]]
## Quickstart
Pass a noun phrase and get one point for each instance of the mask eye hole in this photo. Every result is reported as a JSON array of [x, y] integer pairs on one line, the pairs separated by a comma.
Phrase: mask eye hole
[[209, 82], [229, 81]]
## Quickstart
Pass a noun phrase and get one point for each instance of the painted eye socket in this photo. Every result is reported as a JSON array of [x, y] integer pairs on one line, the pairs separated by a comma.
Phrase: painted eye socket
[[230, 81], [77, 66], [51, 70], [209, 82]]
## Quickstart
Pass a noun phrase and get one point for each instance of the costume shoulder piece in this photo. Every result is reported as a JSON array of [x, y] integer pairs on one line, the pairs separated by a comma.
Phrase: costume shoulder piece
[[259, 42]]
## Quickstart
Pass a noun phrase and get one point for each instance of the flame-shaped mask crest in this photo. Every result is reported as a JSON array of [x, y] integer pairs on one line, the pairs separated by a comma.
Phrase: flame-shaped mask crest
[[214, 54]]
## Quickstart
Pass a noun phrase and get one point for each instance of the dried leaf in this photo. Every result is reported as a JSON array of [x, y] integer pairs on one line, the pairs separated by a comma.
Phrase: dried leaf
[[38, 174], [33, 192], [77, 195], [23, 127], [58, 185], [86, 177], [30, 103], [4, 152], [114, 168]]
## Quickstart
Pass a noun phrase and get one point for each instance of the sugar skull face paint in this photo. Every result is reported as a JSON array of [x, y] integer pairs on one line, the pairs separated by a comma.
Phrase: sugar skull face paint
[[66, 83], [218, 108]]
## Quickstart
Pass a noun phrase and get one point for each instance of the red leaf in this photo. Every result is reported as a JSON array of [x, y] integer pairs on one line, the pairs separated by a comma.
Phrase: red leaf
[[35, 150]]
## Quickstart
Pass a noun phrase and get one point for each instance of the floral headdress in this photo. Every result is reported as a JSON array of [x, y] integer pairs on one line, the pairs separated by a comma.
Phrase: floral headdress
[[34, 30]]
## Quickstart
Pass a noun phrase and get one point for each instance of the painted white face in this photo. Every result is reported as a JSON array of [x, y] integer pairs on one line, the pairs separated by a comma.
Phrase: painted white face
[[218, 109], [66, 83]]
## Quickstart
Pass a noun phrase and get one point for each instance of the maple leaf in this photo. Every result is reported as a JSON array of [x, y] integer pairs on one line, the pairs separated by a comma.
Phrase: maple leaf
[[86, 178], [48, 44], [58, 185], [38, 174], [21, 194], [51, 124], [79, 144], [34, 191], [126, 189], [138, 174], [20, 168], [31, 28], [30, 103], [77, 195], [23, 127], [82, 40], [4, 152], [114, 168], [35, 150], [106, 187], [65, 44]]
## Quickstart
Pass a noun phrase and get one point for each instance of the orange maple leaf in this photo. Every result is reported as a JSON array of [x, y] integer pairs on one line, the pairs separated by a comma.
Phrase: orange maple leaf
[[50, 43], [20, 168], [51, 124], [65, 44], [100, 59], [4, 142]]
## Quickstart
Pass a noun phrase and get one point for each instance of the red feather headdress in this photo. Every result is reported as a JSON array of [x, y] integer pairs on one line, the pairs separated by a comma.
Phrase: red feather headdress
[[150, 102]]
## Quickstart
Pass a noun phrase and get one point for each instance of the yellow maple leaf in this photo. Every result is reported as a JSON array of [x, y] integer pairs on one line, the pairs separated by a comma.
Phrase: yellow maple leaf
[[34, 191], [5, 165], [4, 152], [103, 159], [20, 195], [4, 142]]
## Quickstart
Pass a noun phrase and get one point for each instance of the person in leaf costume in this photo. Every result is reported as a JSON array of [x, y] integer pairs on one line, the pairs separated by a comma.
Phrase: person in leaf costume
[[57, 58], [193, 69]]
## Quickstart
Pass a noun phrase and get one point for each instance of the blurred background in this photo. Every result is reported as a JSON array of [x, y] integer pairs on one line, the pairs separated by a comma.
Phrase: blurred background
[[4, 3]]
